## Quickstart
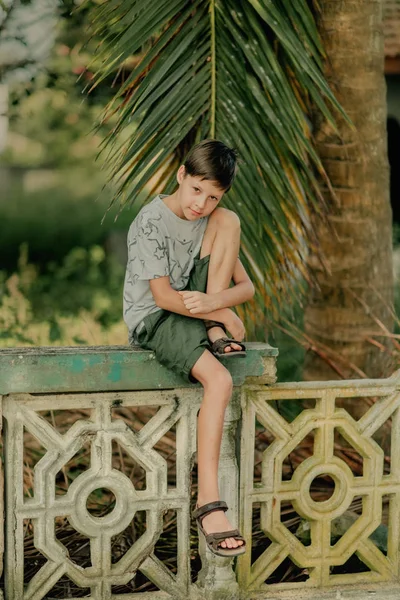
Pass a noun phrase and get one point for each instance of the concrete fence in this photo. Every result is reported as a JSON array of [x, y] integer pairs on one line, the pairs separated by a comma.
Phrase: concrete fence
[[96, 380]]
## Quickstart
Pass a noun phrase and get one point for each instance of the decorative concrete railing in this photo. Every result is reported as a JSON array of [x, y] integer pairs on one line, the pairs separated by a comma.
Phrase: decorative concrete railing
[[98, 380], [372, 533]]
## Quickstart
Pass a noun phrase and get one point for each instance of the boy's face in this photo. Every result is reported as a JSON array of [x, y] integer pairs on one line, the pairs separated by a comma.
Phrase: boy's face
[[198, 197]]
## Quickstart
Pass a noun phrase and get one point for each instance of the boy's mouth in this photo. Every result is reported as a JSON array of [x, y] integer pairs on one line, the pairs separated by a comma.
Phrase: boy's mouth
[[195, 212]]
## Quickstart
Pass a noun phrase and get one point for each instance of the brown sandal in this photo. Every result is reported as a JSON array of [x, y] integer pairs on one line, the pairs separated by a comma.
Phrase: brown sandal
[[213, 540], [218, 347]]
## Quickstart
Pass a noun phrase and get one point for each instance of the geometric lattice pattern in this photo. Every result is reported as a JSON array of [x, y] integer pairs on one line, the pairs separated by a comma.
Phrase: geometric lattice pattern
[[319, 558], [21, 411]]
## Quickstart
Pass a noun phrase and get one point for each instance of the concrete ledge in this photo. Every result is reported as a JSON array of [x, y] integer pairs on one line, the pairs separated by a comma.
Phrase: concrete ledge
[[107, 368], [348, 592]]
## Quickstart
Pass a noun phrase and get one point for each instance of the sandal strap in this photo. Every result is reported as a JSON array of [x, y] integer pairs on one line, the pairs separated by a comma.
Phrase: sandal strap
[[213, 541], [235, 342], [222, 343], [210, 324], [221, 535], [209, 508]]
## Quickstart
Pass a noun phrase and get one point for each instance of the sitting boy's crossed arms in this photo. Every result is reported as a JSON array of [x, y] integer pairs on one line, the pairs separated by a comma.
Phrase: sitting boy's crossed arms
[[207, 306]]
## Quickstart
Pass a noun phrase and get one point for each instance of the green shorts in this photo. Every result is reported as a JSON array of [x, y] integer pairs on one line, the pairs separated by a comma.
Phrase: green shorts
[[176, 340]]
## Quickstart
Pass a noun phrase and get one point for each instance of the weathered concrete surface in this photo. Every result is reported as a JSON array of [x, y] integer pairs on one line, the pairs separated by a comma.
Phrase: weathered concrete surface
[[346, 593], [99, 379], [112, 368], [177, 408], [370, 481]]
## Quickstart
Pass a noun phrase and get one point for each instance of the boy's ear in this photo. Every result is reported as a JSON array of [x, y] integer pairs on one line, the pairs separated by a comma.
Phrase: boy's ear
[[180, 175]]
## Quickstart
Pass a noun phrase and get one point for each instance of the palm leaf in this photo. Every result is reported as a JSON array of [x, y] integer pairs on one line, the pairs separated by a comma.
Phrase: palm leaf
[[242, 71]]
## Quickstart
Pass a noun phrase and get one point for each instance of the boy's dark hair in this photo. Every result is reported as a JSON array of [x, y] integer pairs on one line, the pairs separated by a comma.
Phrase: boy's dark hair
[[212, 160]]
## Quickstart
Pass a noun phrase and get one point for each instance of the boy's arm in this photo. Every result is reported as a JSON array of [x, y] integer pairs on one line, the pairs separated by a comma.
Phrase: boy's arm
[[242, 291], [169, 299]]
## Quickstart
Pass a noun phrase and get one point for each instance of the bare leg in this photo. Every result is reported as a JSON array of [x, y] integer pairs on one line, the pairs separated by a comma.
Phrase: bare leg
[[221, 240], [217, 383]]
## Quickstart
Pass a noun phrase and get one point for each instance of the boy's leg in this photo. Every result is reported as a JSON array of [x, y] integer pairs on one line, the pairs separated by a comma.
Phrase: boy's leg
[[222, 241], [217, 383]]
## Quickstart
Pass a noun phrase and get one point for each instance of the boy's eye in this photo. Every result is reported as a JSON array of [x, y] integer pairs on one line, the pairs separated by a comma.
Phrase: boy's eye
[[196, 189]]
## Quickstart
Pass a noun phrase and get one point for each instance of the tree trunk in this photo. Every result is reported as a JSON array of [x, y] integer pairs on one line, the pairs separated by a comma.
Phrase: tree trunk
[[357, 292]]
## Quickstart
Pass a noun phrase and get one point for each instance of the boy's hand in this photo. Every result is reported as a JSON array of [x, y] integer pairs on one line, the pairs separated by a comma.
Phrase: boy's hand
[[197, 302]]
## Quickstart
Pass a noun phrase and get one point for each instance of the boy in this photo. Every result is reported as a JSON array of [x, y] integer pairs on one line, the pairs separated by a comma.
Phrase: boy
[[182, 255]]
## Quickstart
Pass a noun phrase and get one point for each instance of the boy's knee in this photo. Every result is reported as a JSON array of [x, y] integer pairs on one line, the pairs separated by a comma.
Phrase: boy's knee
[[223, 217], [220, 379]]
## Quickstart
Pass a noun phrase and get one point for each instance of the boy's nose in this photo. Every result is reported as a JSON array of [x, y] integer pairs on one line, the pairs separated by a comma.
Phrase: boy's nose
[[200, 204]]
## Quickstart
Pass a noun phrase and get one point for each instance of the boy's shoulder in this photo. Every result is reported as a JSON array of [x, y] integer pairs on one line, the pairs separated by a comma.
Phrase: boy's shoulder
[[152, 207], [149, 219]]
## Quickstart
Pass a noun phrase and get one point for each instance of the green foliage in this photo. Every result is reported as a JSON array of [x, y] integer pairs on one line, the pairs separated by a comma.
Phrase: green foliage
[[54, 203], [38, 307], [51, 129], [86, 279], [55, 211], [50, 124], [51, 117]]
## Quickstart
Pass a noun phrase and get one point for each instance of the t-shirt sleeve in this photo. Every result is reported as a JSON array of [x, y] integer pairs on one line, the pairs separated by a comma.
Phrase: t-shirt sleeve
[[147, 248]]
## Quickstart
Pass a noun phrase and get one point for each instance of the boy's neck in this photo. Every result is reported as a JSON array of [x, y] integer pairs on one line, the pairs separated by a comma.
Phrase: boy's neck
[[172, 202]]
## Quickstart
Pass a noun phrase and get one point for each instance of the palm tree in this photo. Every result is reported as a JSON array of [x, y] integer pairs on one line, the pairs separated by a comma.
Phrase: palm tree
[[254, 74], [351, 305], [243, 72]]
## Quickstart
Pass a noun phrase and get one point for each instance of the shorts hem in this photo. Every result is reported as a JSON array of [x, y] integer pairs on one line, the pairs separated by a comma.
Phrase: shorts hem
[[191, 361]]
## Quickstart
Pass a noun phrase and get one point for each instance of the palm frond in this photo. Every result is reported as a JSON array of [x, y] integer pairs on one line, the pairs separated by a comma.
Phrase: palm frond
[[245, 72]]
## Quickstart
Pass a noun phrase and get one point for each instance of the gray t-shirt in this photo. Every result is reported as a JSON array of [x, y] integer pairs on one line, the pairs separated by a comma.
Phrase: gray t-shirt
[[159, 243]]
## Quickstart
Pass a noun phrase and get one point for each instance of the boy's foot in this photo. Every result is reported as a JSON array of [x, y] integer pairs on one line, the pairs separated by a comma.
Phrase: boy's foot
[[216, 333], [217, 521]]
